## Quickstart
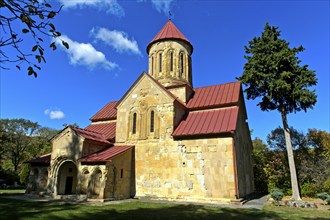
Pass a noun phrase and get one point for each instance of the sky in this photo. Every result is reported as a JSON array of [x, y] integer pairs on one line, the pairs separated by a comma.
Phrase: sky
[[108, 40]]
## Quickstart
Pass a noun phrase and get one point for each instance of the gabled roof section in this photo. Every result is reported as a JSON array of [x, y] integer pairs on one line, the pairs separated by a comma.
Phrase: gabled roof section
[[108, 112], [105, 155], [157, 83], [169, 31], [208, 122], [42, 160], [90, 135], [221, 95], [107, 129]]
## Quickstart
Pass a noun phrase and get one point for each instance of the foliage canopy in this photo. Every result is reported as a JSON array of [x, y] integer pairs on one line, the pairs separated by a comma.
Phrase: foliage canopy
[[273, 72], [19, 20]]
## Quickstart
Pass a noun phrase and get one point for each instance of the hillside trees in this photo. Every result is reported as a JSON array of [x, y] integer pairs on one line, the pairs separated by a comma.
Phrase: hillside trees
[[274, 74], [271, 165], [26, 21], [22, 140]]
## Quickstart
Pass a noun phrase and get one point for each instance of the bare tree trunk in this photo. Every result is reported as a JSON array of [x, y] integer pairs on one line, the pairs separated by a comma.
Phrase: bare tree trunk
[[293, 173]]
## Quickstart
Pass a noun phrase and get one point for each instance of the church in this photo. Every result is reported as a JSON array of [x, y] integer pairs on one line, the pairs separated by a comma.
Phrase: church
[[163, 139]]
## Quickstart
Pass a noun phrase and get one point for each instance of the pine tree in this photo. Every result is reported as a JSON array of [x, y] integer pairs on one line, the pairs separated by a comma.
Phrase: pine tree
[[273, 73]]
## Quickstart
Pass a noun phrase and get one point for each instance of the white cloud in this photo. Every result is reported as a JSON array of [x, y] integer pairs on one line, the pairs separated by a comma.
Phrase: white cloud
[[85, 54], [54, 113], [110, 6], [117, 40], [162, 5]]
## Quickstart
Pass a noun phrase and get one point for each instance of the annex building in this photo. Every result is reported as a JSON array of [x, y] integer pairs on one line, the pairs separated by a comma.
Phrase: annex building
[[163, 139]]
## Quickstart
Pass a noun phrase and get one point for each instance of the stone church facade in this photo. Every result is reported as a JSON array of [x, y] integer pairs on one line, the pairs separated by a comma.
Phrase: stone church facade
[[163, 139]]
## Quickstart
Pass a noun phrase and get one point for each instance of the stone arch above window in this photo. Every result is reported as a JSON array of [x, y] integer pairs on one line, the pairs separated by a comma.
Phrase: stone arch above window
[[134, 129]]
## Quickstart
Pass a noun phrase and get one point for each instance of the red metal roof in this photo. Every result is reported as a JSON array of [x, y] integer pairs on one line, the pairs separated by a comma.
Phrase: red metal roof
[[215, 96], [169, 31], [105, 154], [107, 129], [91, 135], [42, 160], [208, 122], [108, 112]]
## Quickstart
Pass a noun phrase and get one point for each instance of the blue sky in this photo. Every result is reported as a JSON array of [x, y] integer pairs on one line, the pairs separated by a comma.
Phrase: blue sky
[[108, 40]]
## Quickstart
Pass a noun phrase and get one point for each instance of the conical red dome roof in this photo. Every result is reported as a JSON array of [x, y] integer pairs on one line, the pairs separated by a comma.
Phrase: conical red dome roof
[[169, 31]]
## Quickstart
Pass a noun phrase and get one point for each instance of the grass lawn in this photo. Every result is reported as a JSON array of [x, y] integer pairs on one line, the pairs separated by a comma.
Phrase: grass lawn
[[29, 209], [12, 192]]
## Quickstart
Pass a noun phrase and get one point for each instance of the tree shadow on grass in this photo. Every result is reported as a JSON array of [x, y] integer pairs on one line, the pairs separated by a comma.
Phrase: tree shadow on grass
[[25, 209]]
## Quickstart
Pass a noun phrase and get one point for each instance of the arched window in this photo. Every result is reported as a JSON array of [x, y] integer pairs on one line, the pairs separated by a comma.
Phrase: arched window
[[160, 62], [171, 61], [181, 64], [134, 123], [152, 121]]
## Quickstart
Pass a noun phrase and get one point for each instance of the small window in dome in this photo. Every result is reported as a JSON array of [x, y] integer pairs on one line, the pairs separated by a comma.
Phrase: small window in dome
[[160, 62]]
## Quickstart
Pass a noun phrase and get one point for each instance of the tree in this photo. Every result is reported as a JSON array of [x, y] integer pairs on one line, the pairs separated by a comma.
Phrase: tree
[[260, 157], [20, 19], [274, 74], [18, 135]]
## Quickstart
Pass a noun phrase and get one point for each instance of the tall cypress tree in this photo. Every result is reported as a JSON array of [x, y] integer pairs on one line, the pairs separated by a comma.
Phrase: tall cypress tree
[[273, 73]]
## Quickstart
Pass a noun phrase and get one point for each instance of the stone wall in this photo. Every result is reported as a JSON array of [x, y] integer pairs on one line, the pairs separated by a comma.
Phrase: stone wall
[[180, 72], [120, 177], [243, 151], [37, 182]]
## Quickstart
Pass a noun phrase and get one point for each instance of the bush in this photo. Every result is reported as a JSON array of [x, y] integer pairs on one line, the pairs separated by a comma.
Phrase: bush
[[324, 196], [24, 174], [309, 189], [277, 195], [326, 185], [328, 200]]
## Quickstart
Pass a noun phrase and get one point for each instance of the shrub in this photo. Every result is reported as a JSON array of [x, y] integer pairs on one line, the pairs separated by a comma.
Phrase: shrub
[[277, 195], [324, 196], [326, 185], [24, 174], [309, 189], [328, 200]]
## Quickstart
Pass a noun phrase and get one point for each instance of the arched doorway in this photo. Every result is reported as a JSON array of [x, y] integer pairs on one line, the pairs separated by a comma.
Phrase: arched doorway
[[67, 178], [95, 186]]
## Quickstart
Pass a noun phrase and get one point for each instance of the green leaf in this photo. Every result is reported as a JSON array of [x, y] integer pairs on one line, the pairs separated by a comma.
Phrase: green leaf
[[53, 45], [51, 14], [41, 16], [25, 30], [30, 71], [41, 51], [40, 39], [18, 67], [38, 58], [48, 5], [34, 48], [52, 26], [65, 44]]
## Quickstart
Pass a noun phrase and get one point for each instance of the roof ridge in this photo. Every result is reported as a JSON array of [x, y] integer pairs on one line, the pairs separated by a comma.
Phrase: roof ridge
[[218, 84], [81, 130]]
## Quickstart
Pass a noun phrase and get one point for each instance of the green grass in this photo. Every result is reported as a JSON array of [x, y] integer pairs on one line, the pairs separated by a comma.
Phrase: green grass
[[7, 192], [28, 209]]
